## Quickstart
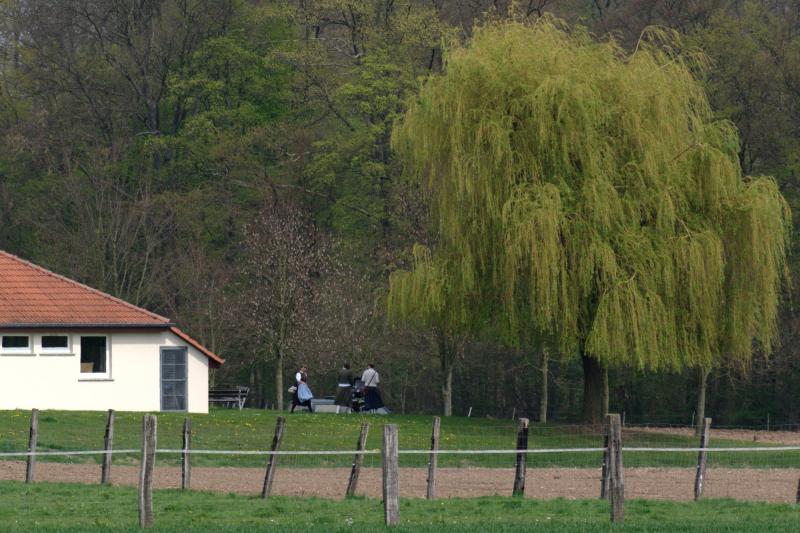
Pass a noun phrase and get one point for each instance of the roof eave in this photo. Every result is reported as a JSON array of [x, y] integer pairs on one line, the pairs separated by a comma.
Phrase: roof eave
[[63, 325], [214, 359]]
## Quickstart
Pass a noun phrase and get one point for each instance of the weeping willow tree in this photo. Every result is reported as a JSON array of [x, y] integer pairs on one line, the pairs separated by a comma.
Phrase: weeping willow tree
[[590, 195]]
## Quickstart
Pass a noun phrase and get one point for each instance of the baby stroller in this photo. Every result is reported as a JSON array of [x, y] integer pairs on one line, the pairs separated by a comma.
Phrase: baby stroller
[[358, 403], [357, 396]]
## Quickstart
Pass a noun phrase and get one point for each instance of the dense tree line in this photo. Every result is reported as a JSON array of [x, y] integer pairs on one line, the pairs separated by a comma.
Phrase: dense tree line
[[229, 164]]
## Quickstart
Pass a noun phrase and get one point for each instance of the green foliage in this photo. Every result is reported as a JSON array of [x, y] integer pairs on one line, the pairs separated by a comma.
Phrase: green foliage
[[356, 65], [590, 194], [353, 168], [75, 507], [224, 101], [755, 49], [433, 294]]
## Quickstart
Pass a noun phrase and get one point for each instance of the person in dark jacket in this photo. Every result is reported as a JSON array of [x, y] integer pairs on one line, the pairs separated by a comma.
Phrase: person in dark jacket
[[344, 389]]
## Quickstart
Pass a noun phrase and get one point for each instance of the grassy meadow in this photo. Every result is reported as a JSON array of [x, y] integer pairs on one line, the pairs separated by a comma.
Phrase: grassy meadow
[[252, 429], [68, 507]]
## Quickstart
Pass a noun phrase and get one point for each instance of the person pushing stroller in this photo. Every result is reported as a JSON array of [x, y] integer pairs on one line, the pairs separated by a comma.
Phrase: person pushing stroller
[[372, 396]]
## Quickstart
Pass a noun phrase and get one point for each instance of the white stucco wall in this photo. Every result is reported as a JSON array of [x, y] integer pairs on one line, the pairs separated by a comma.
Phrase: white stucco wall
[[47, 381]]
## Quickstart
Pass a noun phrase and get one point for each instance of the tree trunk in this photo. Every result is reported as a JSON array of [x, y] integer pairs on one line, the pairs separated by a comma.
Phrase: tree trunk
[[446, 358], [701, 402], [153, 122], [592, 390], [278, 379], [253, 386], [499, 378], [544, 392], [261, 384], [447, 390], [605, 391]]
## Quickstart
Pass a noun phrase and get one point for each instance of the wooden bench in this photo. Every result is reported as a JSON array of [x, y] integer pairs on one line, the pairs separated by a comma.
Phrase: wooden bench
[[229, 397]]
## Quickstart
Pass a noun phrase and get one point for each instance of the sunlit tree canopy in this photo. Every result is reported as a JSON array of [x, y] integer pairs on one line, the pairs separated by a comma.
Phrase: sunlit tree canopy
[[590, 194]]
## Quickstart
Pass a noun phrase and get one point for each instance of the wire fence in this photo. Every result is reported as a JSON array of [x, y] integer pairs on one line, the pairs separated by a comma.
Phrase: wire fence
[[560, 461], [649, 482]]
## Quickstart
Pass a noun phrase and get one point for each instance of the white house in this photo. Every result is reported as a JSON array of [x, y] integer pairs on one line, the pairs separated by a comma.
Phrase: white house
[[68, 346]]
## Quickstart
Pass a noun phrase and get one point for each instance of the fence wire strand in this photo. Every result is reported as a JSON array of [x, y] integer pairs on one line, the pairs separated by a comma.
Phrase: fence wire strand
[[473, 460]]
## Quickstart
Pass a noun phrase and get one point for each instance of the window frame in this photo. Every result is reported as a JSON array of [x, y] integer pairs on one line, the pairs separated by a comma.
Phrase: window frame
[[58, 351], [28, 350], [95, 376]]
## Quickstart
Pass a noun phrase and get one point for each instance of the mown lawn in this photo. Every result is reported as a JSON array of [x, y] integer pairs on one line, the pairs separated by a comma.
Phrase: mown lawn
[[251, 429], [68, 507]]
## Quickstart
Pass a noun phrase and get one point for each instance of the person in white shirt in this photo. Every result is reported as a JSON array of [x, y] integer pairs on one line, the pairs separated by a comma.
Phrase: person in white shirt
[[372, 397]]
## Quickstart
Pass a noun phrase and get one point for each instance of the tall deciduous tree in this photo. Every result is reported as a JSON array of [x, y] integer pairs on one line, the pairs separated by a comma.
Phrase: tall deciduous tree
[[281, 271], [590, 194]]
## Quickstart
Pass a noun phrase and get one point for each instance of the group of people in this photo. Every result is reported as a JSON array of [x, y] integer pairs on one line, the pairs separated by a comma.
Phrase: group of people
[[346, 385]]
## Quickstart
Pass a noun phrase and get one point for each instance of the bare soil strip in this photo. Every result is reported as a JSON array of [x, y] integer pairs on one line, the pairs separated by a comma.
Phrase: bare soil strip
[[770, 485], [788, 438]]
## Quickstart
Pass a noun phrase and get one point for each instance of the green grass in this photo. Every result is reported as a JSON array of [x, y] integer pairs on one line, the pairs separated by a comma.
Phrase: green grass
[[252, 429], [69, 507]]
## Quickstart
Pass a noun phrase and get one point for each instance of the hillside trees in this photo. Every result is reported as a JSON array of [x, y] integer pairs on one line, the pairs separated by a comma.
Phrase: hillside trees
[[144, 127], [292, 102], [356, 62], [138, 44], [591, 194], [756, 53]]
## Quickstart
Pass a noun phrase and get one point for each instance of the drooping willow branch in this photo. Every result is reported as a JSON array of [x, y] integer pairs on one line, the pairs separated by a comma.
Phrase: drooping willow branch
[[549, 158]]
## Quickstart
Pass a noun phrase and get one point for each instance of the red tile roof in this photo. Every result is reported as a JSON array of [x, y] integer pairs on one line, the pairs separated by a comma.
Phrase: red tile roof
[[32, 296]]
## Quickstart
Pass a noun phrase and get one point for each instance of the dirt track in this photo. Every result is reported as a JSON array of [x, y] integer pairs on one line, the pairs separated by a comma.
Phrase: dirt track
[[788, 438], [774, 485]]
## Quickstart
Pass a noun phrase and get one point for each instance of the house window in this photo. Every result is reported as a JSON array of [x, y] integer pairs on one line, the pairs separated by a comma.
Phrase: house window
[[94, 356], [16, 344], [55, 344]]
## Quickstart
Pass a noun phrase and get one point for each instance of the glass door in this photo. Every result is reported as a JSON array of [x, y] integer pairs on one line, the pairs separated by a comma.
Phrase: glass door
[[173, 379]]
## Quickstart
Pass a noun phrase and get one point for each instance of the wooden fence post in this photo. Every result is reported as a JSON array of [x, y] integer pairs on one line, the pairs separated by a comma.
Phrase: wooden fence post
[[433, 459], [391, 476], [108, 445], [604, 472], [798, 492], [616, 480], [700, 475], [273, 459], [358, 460], [33, 436], [522, 458], [146, 471], [186, 463]]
